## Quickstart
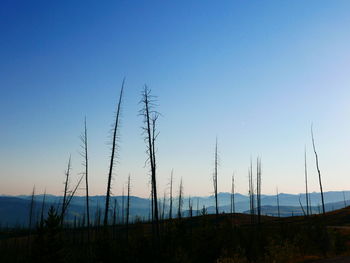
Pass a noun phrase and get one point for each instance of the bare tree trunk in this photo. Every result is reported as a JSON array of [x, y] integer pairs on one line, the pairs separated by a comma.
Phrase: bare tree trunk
[[65, 190], [251, 192], [258, 190], [150, 137], [179, 211], [190, 207], [306, 186], [318, 170], [84, 140], [114, 146], [215, 179], [70, 196], [171, 196], [233, 209]]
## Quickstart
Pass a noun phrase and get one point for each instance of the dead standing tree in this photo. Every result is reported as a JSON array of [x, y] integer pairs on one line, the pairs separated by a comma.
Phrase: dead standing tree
[[150, 117], [306, 186], [171, 196], [66, 185], [318, 170], [113, 154], [215, 179], [251, 192], [179, 210], [84, 154], [258, 189], [70, 195], [233, 209]]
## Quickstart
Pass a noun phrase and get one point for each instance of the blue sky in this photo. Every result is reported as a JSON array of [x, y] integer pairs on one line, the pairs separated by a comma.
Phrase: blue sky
[[255, 74]]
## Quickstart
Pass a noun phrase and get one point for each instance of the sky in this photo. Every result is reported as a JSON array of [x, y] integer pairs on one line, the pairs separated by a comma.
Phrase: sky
[[254, 74]]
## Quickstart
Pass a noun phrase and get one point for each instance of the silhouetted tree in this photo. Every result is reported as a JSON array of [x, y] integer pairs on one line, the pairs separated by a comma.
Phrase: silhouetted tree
[[65, 193], [113, 154], [171, 196], [251, 192], [179, 210], [150, 118], [53, 243], [306, 186], [258, 188], [278, 203], [318, 170], [84, 141], [69, 198], [233, 209], [190, 207], [215, 178]]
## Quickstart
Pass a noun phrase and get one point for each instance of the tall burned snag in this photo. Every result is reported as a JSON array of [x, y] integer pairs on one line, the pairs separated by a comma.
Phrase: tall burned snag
[[306, 186], [233, 209], [215, 178], [113, 154], [278, 203], [150, 117], [123, 208], [65, 192], [190, 207], [258, 189], [84, 154], [318, 169], [251, 192], [179, 209], [171, 196], [70, 195]]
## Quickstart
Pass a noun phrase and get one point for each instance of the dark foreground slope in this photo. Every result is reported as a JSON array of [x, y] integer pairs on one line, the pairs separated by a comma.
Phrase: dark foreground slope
[[226, 238]]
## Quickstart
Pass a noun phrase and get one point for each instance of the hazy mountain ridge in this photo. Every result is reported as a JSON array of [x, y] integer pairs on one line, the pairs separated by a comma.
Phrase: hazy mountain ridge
[[14, 210]]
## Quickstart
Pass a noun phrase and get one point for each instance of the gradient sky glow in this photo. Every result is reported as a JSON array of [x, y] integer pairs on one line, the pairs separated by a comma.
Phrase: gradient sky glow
[[255, 74]]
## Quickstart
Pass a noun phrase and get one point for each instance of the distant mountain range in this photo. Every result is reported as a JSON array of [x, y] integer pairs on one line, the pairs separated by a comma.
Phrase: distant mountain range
[[14, 210]]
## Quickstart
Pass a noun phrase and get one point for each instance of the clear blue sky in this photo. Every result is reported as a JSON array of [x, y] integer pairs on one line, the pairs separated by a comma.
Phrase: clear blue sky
[[255, 74]]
